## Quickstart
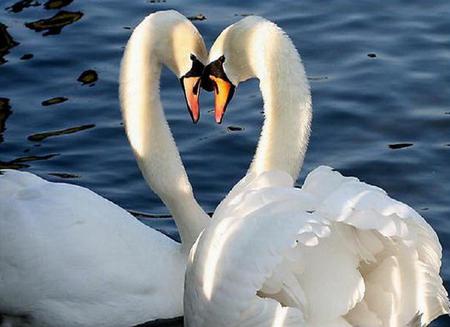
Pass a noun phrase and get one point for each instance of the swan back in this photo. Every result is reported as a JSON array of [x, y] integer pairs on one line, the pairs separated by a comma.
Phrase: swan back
[[69, 257]]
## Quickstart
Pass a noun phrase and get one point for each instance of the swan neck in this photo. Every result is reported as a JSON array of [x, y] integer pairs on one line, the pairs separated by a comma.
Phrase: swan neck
[[287, 103], [188, 207], [149, 134]]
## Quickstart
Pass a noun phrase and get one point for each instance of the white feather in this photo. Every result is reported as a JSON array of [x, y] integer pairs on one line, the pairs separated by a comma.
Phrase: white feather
[[69, 257], [337, 253], [355, 273]]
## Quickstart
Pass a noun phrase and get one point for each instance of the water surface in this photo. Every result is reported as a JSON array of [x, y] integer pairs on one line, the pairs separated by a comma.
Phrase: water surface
[[380, 75]]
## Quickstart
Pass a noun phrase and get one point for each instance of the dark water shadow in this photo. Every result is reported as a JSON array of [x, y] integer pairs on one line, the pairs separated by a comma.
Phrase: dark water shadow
[[55, 24], [38, 137], [5, 112], [64, 175], [317, 78], [396, 146], [6, 42], [27, 56], [53, 101], [441, 321], [57, 4], [175, 322], [20, 163], [21, 5], [88, 77], [199, 17], [144, 215], [233, 128]]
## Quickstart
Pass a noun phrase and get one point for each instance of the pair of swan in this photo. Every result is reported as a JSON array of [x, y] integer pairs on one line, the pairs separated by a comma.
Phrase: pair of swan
[[337, 252]]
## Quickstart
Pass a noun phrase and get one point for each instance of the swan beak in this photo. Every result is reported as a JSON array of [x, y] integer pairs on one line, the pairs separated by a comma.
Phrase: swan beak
[[223, 92], [191, 88]]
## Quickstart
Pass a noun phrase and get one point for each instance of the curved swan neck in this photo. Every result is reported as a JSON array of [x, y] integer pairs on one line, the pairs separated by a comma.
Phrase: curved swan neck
[[287, 108], [147, 128], [258, 48]]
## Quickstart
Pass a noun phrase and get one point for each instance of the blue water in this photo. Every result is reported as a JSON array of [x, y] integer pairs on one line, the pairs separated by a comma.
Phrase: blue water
[[380, 75]]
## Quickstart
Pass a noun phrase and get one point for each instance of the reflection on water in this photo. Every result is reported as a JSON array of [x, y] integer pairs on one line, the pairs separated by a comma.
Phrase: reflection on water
[[54, 100], [163, 323], [235, 128], [6, 42], [400, 145], [317, 78], [20, 5], [197, 17], [88, 77], [57, 4], [51, 4], [38, 137], [55, 24], [379, 81], [27, 56], [5, 112], [64, 175], [20, 163], [145, 215]]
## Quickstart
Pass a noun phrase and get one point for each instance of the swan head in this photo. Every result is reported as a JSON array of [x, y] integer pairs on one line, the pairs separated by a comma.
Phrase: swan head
[[232, 59], [215, 79], [219, 73], [180, 47]]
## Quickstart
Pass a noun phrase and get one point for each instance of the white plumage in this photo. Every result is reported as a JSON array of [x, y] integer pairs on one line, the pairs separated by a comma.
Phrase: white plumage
[[69, 257], [337, 252]]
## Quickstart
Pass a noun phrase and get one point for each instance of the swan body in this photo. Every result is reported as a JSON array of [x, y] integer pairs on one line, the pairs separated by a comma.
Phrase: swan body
[[69, 257], [335, 253]]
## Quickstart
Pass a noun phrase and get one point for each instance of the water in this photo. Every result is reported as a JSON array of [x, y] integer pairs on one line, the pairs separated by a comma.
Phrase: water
[[380, 76]]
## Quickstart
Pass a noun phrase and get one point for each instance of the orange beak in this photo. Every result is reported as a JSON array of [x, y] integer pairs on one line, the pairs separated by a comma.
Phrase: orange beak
[[191, 88], [223, 92]]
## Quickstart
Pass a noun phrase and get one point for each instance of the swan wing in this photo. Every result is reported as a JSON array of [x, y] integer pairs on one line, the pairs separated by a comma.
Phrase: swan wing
[[232, 259], [338, 252], [400, 254]]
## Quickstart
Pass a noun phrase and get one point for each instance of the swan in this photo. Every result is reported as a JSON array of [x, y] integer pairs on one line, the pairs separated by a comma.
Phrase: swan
[[335, 253], [69, 257]]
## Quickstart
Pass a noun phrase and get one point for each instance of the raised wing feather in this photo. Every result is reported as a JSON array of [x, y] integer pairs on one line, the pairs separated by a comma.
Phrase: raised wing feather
[[338, 252]]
